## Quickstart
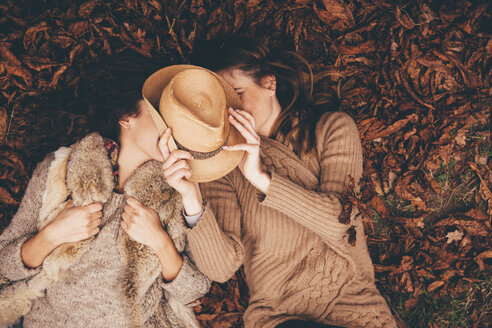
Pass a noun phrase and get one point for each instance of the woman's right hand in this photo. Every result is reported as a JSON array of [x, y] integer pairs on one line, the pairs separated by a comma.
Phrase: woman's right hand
[[74, 223], [70, 225], [177, 173]]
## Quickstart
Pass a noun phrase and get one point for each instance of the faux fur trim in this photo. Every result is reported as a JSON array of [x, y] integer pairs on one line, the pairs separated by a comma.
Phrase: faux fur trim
[[148, 185], [89, 172], [56, 190], [16, 298]]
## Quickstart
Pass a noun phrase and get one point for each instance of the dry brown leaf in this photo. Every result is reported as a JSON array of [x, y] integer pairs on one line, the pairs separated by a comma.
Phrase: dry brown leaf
[[435, 285], [337, 15], [454, 236], [481, 257], [6, 198], [3, 122], [404, 19]]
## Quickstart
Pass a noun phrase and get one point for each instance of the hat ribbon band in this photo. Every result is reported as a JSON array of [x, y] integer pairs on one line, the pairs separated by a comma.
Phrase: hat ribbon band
[[203, 155]]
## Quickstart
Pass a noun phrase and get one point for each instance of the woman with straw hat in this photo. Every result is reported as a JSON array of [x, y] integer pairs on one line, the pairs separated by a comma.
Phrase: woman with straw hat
[[99, 240], [280, 213]]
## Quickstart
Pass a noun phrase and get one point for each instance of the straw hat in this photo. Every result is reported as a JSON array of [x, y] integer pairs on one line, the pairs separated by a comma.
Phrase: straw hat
[[193, 101]]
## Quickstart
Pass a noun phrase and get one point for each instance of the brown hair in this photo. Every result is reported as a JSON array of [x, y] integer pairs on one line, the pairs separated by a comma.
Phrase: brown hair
[[302, 106], [113, 89]]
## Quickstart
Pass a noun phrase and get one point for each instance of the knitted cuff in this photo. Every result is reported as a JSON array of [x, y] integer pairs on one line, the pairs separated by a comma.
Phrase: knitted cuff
[[11, 265], [189, 284]]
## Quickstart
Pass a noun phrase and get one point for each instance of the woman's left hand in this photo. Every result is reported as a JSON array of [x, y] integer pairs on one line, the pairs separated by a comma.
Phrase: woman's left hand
[[244, 122], [143, 225]]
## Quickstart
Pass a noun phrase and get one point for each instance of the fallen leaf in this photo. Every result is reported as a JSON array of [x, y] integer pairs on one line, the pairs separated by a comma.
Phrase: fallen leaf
[[481, 257], [435, 285], [454, 236]]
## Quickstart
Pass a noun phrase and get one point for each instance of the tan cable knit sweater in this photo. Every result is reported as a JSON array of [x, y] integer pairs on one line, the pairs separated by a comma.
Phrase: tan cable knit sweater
[[296, 255]]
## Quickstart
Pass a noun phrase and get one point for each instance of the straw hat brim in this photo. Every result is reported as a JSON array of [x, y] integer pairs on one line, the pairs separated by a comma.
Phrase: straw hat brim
[[203, 170]]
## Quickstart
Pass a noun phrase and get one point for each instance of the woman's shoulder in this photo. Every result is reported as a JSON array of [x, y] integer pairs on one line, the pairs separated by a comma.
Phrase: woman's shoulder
[[42, 169], [89, 142], [335, 121], [335, 125]]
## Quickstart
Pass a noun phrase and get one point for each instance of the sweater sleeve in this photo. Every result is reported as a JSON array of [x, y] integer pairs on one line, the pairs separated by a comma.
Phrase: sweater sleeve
[[215, 241], [23, 226], [189, 285], [340, 156]]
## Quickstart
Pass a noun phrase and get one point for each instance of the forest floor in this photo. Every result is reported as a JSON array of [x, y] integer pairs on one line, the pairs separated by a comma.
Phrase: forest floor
[[415, 75]]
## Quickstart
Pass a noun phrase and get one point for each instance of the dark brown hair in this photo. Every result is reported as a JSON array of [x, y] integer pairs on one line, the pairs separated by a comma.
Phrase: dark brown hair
[[113, 91], [302, 106]]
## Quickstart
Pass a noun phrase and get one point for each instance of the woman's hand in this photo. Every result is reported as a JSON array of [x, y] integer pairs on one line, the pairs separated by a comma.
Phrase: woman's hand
[[70, 225], [74, 223], [250, 164], [142, 224], [177, 172]]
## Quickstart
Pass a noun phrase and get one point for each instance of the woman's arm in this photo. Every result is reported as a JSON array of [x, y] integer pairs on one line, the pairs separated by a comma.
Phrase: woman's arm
[[189, 284], [70, 225], [23, 226], [170, 260], [340, 156], [142, 224], [215, 241], [37, 248], [24, 248], [181, 278]]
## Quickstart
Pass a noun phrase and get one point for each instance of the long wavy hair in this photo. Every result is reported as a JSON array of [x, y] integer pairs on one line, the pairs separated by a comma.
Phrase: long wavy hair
[[303, 96]]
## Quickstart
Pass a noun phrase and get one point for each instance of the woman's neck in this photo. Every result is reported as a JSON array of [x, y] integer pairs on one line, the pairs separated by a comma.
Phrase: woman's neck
[[266, 129], [129, 159]]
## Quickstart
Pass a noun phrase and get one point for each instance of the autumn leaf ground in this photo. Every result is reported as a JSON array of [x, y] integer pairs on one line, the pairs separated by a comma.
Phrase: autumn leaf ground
[[415, 75]]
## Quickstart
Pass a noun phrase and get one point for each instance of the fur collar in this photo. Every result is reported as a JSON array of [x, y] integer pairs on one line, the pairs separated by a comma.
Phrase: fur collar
[[89, 179]]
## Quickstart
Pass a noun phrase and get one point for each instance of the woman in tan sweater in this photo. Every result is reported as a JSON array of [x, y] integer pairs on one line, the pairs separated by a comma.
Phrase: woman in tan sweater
[[280, 212]]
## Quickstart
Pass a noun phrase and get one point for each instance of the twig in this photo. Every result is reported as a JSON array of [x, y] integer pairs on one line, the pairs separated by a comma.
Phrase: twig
[[7, 132]]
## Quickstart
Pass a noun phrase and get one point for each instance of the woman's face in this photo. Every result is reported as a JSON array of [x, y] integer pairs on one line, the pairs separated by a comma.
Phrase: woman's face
[[258, 99], [143, 134]]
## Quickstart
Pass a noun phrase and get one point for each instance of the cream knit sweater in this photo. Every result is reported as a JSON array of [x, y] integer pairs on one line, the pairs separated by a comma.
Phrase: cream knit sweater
[[296, 255]]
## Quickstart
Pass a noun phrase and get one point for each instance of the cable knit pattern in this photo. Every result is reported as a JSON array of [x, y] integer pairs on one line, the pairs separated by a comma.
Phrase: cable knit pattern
[[296, 255]]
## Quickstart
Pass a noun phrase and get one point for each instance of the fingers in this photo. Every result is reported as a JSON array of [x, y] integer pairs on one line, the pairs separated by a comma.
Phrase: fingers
[[124, 225], [243, 147], [244, 126], [176, 156], [247, 118], [175, 177], [127, 218], [243, 130], [181, 164], [95, 231], [135, 204], [94, 224], [95, 215], [162, 144], [129, 210], [92, 228], [91, 208]]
